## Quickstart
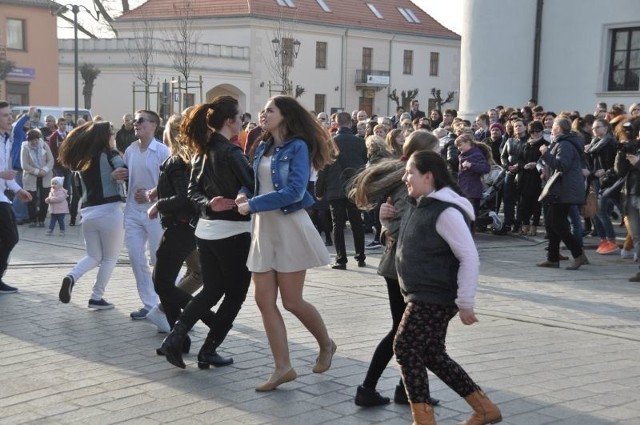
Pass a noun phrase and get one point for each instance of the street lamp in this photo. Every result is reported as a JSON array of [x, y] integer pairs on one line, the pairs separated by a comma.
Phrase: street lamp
[[75, 9], [282, 52]]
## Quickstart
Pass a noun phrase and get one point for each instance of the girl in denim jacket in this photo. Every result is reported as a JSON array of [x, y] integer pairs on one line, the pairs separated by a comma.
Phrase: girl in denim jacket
[[284, 242]]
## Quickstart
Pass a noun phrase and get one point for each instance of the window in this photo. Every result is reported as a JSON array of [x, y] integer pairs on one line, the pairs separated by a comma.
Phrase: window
[[409, 15], [320, 103], [15, 34], [433, 68], [324, 6], [375, 11], [288, 3], [408, 62], [624, 66], [321, 55], [367, 59]]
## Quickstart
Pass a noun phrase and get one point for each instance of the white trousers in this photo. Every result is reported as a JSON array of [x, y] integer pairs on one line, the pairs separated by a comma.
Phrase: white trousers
[[141, 233], [103, 241]]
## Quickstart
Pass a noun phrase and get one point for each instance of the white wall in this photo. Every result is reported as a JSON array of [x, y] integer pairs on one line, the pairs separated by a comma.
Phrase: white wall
[[497, 53]]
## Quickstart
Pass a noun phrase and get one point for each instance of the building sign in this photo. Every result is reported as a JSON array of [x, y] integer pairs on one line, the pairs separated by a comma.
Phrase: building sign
[[24, 73]]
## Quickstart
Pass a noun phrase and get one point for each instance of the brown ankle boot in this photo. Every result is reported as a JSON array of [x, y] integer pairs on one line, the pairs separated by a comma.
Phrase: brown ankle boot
[[422, 414], [578, 261], [484, 411]]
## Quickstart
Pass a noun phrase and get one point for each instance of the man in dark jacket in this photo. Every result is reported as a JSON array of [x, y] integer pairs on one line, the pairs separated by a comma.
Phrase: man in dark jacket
[[331, 185], [126, 135]]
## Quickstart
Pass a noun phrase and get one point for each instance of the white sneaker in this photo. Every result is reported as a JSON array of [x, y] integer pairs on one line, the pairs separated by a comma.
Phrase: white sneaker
[[159, 319], [497, 222], [627, 255]]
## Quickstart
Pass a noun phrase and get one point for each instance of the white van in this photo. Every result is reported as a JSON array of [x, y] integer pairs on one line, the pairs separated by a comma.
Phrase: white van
[[56, 111]]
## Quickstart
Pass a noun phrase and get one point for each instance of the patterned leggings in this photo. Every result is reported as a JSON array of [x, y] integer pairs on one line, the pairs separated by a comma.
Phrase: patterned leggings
[[420, 345]]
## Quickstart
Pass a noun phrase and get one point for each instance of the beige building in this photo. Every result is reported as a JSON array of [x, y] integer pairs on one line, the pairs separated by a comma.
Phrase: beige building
[[339, 55], [29, 41]]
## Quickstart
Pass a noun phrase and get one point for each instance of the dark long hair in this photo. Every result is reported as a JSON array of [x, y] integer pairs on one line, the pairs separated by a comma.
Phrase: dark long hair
[[298, 123], [429, 161], [199, 121], [83, 143]]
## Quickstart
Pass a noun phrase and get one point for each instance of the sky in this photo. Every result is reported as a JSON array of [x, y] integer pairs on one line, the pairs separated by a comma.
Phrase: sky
[[447, 12]]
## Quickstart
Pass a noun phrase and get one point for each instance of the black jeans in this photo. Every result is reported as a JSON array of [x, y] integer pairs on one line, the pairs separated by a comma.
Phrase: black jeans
[[8, 235], [384, 351], [557, 226], [511, 196], [38, 207], [224, 273], [176, 244], [341, 210]]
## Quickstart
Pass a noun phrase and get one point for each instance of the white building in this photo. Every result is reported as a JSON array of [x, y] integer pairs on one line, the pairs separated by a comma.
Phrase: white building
[[352, 54], [586, 51]]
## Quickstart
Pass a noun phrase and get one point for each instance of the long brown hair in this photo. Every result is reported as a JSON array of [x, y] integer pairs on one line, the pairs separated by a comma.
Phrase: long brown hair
[[298, 123], [83, 143], [385, 176]]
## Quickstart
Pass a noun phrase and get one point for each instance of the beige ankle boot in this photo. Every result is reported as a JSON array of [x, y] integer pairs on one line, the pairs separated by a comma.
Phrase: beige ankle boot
[[422, 414], [533, 231], [484, 411]]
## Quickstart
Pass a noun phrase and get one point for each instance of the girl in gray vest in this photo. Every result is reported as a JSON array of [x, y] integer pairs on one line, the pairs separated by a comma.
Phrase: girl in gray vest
[[438, 267]]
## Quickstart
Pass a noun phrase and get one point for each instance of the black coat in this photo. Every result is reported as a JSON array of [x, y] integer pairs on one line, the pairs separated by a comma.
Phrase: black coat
[[352, 157]]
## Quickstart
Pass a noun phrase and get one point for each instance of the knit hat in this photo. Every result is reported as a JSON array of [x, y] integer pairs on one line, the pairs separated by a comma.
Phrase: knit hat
[[497, 125], [58, 180]]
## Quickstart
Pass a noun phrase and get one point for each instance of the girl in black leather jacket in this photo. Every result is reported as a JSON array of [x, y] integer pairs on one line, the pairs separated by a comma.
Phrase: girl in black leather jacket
[[219, 171]]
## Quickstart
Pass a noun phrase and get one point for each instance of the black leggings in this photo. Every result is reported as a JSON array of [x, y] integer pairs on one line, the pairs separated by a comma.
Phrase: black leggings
[[177, 243], [224, 274], [420, 345], [384, 351]]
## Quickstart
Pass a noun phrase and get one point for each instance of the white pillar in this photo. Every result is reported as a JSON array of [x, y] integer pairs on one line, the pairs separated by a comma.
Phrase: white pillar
[[496, 65]]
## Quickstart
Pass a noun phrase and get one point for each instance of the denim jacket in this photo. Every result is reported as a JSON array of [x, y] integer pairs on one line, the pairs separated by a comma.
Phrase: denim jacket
[[290, 170]]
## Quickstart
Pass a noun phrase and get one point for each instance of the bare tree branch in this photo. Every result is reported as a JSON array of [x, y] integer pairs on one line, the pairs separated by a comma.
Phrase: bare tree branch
[[143, 56], [181, 45], [89, 73], [80, 27]]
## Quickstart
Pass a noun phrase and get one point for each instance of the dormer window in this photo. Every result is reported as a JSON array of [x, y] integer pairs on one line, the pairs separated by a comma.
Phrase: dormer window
[[324, 5], [375, 11], [409, 15], [288, 3]]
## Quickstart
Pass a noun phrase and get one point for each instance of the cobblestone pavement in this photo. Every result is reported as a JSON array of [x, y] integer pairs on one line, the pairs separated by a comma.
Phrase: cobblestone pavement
[[552, 347]]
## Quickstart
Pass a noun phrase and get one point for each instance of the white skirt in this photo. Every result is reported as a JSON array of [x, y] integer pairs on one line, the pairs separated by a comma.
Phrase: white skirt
[[285, 243]]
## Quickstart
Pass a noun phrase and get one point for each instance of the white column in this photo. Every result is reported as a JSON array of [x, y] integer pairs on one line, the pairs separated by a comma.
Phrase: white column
[[496, 65]]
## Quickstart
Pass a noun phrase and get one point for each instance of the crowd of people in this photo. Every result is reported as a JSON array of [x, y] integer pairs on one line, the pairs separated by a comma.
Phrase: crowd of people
[[239, 201]]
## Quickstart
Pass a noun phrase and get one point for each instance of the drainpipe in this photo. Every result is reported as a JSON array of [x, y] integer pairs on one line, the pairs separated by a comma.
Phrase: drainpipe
[[536, 50], [389, 86]]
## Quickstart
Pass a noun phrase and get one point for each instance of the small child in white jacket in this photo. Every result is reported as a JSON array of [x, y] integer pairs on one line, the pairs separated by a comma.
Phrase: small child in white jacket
[[58, 205]]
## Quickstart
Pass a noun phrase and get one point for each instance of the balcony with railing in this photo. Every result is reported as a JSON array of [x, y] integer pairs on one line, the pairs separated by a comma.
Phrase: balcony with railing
[[372, 79]]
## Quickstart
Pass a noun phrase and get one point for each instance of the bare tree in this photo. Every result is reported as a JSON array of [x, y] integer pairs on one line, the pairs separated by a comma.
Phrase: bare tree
[[6, 66], [182, 43], [435, 93], [143, 56], [280, 61], [89, 73], [405, 97]]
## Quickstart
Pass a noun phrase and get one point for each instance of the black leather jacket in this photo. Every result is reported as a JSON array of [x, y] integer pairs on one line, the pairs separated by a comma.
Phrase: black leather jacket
[[173, 203], [221, 171]]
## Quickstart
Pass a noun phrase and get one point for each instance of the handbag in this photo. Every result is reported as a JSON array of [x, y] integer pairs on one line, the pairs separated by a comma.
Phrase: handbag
[[545, 195], [590, 207]]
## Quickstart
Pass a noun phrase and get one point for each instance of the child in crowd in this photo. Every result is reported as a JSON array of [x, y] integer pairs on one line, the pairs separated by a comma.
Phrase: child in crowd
[[58, 205]]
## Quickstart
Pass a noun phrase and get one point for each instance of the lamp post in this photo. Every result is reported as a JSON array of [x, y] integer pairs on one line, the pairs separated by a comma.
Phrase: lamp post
[[282, 50], [75, 9]]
